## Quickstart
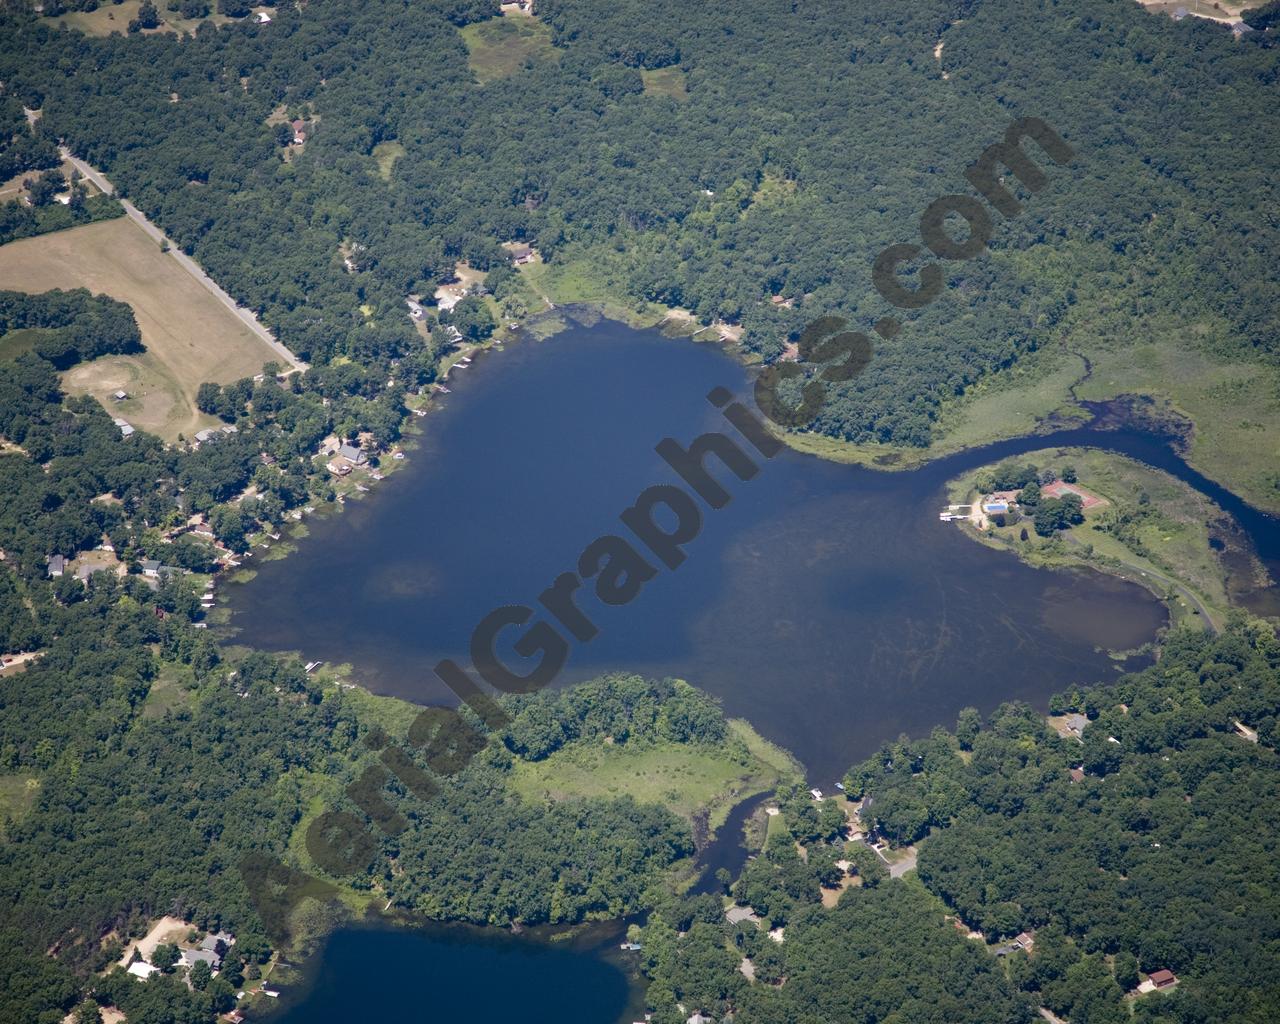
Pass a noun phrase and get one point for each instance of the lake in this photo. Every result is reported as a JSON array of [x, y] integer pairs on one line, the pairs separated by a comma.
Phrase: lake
[[826, 603]]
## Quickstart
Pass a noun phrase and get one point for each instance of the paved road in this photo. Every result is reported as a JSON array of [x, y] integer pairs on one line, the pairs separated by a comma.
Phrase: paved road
[[187, 263]]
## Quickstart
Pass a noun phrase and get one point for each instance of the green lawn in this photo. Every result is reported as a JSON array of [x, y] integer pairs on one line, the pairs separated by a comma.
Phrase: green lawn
[[686, 778], [500, 46]]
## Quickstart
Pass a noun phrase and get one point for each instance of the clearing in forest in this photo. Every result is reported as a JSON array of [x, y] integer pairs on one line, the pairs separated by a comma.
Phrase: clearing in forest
[[190, 337], [499, 47], [668, 81]]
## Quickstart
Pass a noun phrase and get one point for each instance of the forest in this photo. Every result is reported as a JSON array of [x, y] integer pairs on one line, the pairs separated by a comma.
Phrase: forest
[[773, 177], [1160, 855]]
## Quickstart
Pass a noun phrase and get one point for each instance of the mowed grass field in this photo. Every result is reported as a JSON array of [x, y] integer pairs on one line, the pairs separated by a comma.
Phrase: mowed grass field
[[686, 778], [189, 335]]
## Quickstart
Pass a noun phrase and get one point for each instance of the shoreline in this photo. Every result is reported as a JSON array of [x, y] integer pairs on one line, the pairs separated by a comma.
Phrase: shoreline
[[1181, 525]]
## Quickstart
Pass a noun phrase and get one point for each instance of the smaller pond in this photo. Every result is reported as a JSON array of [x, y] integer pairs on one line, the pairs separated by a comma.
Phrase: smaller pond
[[453, 973]]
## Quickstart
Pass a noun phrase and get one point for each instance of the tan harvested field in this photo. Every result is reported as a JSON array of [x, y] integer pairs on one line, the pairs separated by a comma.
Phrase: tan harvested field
[[189, 335]]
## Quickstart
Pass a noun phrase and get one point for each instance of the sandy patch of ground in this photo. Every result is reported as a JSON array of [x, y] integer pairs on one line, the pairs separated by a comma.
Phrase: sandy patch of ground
[[167, 929], [830, 897]]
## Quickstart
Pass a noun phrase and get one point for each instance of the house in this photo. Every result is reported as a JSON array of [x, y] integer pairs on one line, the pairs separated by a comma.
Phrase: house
[[1180, 13], [214, 939], [736, 915], [262, 18], [1077, 774], [1240, 28], [816, 794], [1163, 978], [1024, 941], [150, 567], [120, 396], [1075, 723], [125, 428], [57, 565], [299, 132], [415, 309], [522, 254], [353, 454], [190, 957], [142, 970], [338, 468]]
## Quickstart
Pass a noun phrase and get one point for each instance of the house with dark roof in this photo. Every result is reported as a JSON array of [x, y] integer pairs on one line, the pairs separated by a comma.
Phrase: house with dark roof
[[353, 454], [57, 565], [190, 957]]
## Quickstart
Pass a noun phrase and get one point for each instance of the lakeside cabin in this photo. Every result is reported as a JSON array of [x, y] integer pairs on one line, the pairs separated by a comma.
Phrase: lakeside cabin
[[352, 454]]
